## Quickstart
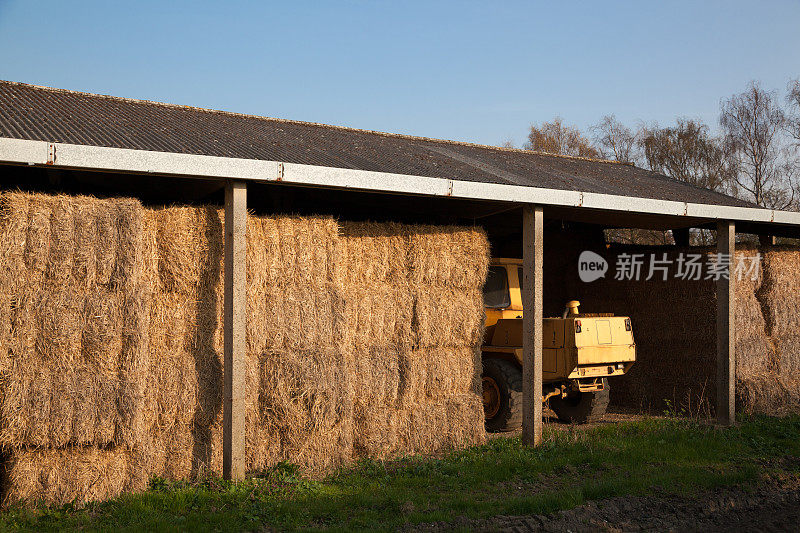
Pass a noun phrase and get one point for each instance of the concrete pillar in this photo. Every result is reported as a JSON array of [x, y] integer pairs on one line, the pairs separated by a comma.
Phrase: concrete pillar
[[726, 335], [235, 326], [532, 302]]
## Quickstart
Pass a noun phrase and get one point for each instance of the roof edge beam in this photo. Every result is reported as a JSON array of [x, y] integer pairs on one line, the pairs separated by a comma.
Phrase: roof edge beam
[[61, 155]]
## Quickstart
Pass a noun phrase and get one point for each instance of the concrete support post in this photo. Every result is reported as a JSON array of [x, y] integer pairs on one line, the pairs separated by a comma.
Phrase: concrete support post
[[235, 326], [532, 302], [726, 335]]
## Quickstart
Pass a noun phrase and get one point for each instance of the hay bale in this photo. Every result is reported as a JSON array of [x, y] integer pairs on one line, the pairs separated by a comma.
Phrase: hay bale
[[377, 429], [69, 475], [376, 376], [37, 238], [780, 292], [440, 373], [371, 252], [440, 425], [307, 400], [379, 315], [446, 316], [453, 256], [66, 329]]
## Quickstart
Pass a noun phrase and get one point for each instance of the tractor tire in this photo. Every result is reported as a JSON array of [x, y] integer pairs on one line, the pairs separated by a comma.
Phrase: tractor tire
[[502, 382], [581, 407]]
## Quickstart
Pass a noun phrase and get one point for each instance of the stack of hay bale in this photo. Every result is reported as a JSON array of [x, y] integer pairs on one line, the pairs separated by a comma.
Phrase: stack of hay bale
[[448, 267], [73, 321], [772, 386], [379, 306], [111, 356], [675, 332]]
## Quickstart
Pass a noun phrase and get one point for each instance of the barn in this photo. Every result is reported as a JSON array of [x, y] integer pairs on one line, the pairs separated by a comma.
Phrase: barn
[[188, 290]]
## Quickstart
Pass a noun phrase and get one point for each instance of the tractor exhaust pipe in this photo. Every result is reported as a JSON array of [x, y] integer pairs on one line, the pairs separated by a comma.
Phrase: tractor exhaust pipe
[[571, 309]]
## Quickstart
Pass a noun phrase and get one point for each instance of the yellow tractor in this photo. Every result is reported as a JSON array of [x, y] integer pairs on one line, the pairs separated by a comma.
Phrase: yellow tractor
[[580, 353]]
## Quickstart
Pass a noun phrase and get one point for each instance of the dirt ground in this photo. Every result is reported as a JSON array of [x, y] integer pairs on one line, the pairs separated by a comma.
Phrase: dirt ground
[[772, 505], [613, 416]]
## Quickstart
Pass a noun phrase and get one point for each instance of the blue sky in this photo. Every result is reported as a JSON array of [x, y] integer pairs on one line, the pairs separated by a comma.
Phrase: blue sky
[[474, 71]]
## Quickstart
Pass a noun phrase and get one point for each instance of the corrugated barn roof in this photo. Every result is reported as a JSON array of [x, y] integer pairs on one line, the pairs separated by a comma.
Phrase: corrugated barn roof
[[55, 115]]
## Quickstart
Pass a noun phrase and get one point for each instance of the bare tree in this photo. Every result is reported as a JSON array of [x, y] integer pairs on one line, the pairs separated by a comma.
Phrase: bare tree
[[753, 123], [686, 152], [508, 143], [615, 140], [793, 117], [558, 138]]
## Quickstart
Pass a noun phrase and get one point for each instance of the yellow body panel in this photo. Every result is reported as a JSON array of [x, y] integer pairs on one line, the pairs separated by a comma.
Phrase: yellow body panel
[[602, 348]]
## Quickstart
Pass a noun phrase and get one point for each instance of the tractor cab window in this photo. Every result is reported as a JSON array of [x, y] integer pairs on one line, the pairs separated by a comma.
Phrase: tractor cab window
[[519, 273], [495, 292]]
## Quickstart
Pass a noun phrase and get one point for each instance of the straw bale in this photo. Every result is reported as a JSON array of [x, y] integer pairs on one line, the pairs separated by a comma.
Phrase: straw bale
[[445, 316], [62, 240], [466, 420], [768, 393], [780, 293], [189, 447], [293, 249], [297, 317], [62, 323], [14, 216], [296, 310], [377, 376], [377, 429], [133, 366], [303, 318], [372, 252], [307, 400], [127, 270], [85, 237], [674, 327], [13, 234], [754, 351], [440, 373], [37, 239], [183, 243], [438, 404], [65, 475], [379, 315], [448, 255], [440, 425], [106, 244]]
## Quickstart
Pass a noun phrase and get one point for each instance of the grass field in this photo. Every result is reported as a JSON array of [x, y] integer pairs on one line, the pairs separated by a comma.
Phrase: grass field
[[573, 466]]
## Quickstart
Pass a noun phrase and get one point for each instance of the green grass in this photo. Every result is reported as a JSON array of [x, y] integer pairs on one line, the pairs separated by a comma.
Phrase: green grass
[[501, 477]]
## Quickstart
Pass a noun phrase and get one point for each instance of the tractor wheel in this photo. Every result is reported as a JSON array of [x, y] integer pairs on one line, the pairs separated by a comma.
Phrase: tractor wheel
[[581, 407], [502, 395]]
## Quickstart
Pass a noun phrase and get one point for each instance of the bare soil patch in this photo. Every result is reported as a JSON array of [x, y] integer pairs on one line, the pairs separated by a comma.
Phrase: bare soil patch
[[773, 505]]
